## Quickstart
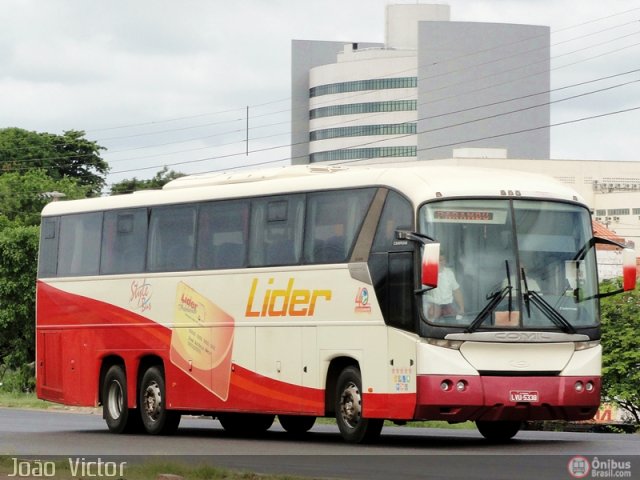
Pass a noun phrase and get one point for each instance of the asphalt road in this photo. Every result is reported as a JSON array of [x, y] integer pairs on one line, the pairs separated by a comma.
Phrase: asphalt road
[[402, 452]]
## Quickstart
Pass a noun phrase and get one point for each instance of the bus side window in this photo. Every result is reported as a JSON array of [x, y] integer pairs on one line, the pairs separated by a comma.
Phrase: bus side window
[[397, 213], [276, 230], [222, 235], [171, 238], [124, 240], [333, 222], [391, 265], [79, 252], [48, 259]]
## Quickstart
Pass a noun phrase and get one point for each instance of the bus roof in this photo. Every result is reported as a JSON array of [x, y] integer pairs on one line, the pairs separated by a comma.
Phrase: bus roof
[[418, 181]]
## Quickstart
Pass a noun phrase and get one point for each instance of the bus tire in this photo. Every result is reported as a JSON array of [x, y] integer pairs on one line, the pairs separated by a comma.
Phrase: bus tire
[[354, 428], [498, 431], [246, 424], [118, 416], [157, 420], [296, 424]]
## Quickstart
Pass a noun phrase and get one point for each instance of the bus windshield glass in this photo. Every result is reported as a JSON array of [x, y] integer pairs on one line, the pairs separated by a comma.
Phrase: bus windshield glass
[[516, 264]]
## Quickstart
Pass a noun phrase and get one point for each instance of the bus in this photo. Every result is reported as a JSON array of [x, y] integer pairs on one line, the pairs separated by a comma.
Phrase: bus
[[365, 293]]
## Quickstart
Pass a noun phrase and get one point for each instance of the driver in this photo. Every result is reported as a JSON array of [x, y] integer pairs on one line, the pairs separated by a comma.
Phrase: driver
[[446, 300]]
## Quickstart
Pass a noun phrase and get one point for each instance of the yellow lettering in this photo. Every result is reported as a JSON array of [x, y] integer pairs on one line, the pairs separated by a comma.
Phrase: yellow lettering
[[299, 303], [249, 311], [282, 302], [314, 296], [280, 294]]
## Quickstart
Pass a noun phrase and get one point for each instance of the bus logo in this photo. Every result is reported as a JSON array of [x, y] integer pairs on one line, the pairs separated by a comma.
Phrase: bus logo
[[362, 301], [141, 293], [523, 396]]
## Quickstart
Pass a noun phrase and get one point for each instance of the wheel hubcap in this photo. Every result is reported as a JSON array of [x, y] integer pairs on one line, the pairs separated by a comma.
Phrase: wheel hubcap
[[351, 405], [152, 401], [115, 400]]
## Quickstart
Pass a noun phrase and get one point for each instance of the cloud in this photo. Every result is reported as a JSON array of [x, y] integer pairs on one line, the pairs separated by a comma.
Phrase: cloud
[[93, 65]]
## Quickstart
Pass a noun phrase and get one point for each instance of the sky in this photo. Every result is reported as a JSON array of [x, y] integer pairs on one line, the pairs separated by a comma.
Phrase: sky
[[169, 83]]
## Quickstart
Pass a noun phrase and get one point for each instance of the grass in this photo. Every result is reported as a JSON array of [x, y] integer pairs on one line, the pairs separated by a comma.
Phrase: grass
[[146, 471], [24, 400]]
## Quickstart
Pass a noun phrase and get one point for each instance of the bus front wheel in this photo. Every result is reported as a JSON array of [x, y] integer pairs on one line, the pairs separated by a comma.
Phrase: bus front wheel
[[354, 428], [499, 431], [119, 417], [157, 420]]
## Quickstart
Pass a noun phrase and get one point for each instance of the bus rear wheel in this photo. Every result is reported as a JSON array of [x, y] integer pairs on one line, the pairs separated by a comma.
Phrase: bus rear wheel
[[119, 417], [296, 424], [157, 420], [246, 424], [499, 431], [354, 428]]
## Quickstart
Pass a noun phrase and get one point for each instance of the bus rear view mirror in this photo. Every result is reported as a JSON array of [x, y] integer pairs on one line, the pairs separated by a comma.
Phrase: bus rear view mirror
[[629, 269], [430, 264]]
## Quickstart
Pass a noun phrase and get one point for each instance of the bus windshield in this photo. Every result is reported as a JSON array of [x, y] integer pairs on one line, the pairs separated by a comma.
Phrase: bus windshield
[[516, 264]]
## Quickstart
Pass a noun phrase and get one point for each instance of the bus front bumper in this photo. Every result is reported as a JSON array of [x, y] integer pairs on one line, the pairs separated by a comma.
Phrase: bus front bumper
[[490, 398]]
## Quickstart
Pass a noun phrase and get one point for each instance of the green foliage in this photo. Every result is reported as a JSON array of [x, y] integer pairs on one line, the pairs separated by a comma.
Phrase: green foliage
[[23, 195], [621, 350], [158, 181], [18, 263], [17, 381], [67, 156], [32, 165]]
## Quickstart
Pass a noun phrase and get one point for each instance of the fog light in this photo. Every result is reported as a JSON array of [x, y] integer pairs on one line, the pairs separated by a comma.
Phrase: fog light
[[445, 386], [590, 387], [579, 387], [461, 386]]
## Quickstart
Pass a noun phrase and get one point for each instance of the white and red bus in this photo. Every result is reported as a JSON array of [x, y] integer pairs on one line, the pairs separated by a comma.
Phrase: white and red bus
[[307, 292]]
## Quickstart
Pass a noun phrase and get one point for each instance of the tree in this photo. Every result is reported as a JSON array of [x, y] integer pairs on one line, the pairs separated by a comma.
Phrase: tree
[[24, 195], [61, 156], [158, 181], [621, 350], [18, 258]]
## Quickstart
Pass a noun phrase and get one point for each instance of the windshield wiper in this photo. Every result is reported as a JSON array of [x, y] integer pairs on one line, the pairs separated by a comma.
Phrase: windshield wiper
[[494, 300], [548, 311]]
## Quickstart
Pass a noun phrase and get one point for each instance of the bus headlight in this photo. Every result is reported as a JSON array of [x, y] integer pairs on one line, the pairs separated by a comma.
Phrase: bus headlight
[[461, 386], [586, 345], [441, 342]]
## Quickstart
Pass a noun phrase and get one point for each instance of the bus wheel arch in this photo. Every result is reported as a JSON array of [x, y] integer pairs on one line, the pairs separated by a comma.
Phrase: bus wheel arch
[[114, 397], [347, 401], [336, 366], [156, 418]]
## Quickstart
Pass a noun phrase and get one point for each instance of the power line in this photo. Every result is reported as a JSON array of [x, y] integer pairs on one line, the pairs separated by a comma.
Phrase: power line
[[266, 126]]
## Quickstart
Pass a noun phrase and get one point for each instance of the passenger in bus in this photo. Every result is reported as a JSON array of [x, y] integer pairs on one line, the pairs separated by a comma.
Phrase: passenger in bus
[[446, 300]]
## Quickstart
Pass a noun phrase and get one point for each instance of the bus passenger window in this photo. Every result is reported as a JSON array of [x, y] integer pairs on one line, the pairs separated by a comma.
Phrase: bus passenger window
[[124, 240], [48, 258], [333, 222], [171, 238], [222, 235], [276, 230], [79, 244]]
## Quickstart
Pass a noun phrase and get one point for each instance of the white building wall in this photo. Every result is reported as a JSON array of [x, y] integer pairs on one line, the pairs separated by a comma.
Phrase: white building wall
[[402, 23], [355, 65]]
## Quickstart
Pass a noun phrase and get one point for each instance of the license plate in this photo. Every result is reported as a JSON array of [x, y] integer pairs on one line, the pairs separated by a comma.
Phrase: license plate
[[523, 396]]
